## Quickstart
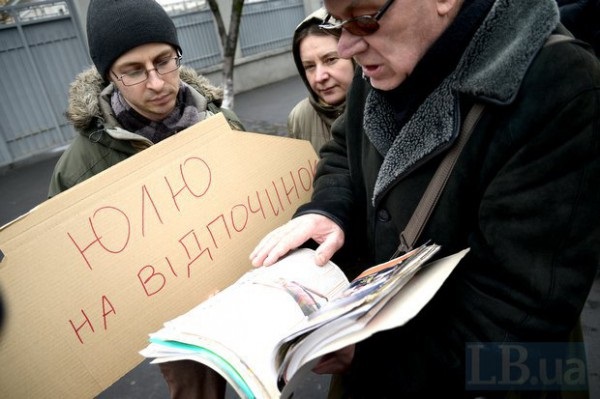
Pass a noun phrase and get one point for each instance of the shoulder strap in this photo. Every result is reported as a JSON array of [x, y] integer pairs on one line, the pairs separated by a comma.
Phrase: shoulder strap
[[419, 218], [415, 225], [556, 38], [562, 34]]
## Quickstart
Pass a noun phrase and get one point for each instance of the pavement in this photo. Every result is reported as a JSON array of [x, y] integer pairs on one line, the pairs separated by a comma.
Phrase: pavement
[[264, 110]]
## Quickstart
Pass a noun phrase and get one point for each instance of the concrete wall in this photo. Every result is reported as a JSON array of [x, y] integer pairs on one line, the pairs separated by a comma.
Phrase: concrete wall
[[256, 71]]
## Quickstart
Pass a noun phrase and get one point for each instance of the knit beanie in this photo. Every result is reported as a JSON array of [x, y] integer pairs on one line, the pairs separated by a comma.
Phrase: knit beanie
[[116, 26]]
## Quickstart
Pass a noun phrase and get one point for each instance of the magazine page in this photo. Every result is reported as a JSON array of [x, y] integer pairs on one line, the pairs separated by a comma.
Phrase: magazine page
[[365, 292], [400, 307], [369, 291], [359, 292], [250, 317]]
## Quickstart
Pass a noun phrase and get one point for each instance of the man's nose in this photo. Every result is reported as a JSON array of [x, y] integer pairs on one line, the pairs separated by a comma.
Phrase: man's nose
[[349, 45], [154, 79]]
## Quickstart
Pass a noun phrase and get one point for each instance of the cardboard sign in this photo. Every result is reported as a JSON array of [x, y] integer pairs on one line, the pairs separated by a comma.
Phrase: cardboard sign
[[88, 274]]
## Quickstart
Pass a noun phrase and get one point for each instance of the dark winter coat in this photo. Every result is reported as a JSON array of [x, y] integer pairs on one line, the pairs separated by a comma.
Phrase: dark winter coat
[[101, 142], [523, 196]]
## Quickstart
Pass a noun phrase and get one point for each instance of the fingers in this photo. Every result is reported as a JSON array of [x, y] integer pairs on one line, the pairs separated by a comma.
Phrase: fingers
[[332, 243], [279, 242], [258, 255], [295, 233]]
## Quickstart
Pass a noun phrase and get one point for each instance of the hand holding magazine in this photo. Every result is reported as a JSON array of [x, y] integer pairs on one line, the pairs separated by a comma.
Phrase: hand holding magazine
[[267, 330]]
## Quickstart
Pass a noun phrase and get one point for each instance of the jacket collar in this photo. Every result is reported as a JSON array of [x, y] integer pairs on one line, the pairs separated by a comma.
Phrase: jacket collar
[[88, 92], [491, 70]]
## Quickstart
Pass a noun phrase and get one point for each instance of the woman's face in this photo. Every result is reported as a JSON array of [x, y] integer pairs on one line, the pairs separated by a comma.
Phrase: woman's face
[[328, 75]]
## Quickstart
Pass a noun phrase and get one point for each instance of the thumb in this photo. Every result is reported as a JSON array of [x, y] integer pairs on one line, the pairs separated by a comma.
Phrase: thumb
[[326, 250]]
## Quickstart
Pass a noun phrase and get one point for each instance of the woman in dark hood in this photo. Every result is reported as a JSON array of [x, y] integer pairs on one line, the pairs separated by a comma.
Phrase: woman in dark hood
[[326, 76]]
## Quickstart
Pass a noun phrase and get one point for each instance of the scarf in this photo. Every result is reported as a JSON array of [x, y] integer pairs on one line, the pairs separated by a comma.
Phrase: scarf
[[184, 115], [386, 112], [328, 113]]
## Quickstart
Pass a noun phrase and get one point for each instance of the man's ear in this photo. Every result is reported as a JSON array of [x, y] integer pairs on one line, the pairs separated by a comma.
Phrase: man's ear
[[109, 78], [448, 7]]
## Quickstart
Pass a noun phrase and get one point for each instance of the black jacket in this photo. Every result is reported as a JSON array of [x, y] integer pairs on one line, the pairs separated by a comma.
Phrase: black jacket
[[523, 196]]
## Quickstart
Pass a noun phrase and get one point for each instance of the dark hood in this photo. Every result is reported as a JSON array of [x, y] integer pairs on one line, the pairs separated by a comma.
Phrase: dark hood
[[326, 112]]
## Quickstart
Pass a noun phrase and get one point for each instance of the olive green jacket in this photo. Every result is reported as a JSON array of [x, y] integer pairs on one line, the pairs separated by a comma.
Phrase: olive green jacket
[[101, 142]]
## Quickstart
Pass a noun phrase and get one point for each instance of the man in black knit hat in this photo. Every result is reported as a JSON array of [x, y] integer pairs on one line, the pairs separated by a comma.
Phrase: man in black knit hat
[[137, 95]]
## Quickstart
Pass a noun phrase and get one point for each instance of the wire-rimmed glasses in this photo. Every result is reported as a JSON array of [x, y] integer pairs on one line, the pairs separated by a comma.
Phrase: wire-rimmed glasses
[[363, 25], [138, 76]]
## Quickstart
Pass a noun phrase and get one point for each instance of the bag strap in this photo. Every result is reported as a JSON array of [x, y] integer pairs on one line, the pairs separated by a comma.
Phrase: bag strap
[[557, 38], [430, 197], [419, 218]]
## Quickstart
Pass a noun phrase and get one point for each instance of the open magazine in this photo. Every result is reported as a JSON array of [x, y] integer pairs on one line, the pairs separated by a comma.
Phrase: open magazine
[[267, 330]]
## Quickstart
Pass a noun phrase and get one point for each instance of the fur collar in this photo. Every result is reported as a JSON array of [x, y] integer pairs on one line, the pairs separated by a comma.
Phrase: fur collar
[[490, 70], [84, 95]]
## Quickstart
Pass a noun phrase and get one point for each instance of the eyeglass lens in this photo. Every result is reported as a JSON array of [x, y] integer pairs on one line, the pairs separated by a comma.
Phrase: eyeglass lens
[[359, 26], [362, 26], [162, 68]]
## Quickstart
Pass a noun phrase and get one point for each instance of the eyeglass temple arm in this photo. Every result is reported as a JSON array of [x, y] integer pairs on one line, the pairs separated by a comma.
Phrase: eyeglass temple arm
[[383, 9]]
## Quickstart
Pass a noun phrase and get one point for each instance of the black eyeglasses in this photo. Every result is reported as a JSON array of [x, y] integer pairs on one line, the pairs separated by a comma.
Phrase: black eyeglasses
[[138, 76], [363, 25]]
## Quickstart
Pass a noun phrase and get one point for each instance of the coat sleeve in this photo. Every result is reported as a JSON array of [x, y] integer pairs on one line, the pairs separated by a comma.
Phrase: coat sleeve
[[339, 191], [333, 195]]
